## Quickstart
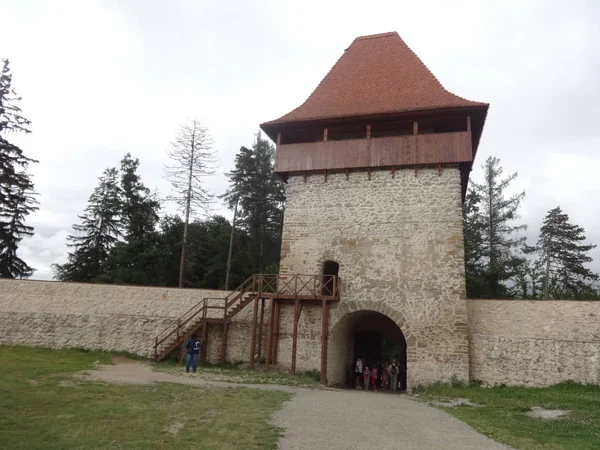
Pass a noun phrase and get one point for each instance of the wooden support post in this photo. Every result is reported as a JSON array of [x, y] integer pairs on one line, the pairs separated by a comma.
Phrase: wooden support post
[[261, 328], [276, 332], [325, 134], [324, 338], [270, 334], [325, 175], [204, 348], [279, 138], [369, 171], [253, 338], [393, 172], [415, 127], [439, 168], [468, 123], [347, 174], [416, 170], [224, 342], [369, 131], [295, 338], [305, 176]]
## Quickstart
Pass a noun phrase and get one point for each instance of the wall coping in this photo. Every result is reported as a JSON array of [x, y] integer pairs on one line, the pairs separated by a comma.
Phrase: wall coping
[[80, 283]]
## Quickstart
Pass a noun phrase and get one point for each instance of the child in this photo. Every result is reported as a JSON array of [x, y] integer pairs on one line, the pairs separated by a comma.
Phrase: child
[[367, 377], [385, 379], [374, 378]]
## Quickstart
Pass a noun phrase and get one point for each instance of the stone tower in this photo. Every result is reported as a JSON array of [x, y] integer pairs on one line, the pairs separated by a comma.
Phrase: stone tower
[[377, 162]]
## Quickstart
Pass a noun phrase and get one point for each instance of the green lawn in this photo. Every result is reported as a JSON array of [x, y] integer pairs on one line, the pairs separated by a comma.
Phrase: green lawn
[[501, 416], [232, 374], [43, 407]]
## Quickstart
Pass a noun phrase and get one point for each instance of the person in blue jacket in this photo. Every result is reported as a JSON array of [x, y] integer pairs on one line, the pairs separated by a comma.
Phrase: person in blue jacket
[[192, 347]]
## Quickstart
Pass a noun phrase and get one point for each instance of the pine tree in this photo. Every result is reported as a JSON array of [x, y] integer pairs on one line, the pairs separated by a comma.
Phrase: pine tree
[[563, 255], [528, 276], [193, 159], [473, 229], [17, 199], [493, 218], [136, 260], [97, 233], [139, 207], [261, 198]]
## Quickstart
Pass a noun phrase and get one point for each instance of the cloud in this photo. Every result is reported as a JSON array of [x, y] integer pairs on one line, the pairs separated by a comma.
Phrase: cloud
[[102, 78]]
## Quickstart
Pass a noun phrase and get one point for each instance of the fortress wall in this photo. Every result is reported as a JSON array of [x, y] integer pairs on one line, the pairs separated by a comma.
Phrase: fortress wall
[[534, 342]]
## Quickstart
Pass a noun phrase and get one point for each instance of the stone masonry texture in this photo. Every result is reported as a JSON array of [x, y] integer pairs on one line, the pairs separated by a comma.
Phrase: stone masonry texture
[[106, 317], [534, 342], [398, 240]]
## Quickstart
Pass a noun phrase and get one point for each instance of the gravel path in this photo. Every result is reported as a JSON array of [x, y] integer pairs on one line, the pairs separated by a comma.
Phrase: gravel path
[[316, 419], [348, 420]]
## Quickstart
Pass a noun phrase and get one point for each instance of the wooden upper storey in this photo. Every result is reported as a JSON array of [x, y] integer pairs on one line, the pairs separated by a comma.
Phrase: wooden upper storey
[[384, 144]]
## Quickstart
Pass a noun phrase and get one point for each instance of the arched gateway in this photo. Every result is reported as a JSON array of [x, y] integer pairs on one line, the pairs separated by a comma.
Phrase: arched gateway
[[376, 163], [367, 334]]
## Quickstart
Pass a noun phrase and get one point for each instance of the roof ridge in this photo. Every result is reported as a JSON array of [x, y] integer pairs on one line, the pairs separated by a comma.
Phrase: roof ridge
[[378, 35]]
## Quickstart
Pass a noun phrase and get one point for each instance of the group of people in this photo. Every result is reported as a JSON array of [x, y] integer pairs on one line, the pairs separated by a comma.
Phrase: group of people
[[377, 376]]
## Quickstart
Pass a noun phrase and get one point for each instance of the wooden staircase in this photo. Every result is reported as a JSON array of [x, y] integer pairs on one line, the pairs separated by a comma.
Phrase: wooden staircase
[[223, 310], [209, 310]]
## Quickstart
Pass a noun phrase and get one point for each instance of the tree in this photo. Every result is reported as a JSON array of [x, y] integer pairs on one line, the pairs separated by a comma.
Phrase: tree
[[473, 229], [193, 159], [137, 259], [97, 233], [206, 255], [563, 255], [491, 238], [260, 193], [17, 199], [528, 276], [139, 208]]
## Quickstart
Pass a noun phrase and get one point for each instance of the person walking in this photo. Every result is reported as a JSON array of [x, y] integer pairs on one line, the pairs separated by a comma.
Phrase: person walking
[[374, 377], [358, 372], [394, 375], [367, 377], [192, 347]]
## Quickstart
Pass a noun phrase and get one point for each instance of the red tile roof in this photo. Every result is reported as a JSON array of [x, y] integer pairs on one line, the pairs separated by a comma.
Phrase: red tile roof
[[377, 74]]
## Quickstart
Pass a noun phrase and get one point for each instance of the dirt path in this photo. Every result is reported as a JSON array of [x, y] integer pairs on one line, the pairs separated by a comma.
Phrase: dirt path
[[128, 371], [334, 419]]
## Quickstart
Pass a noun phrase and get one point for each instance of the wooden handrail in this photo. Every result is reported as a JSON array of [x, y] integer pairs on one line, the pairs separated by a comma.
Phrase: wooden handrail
[[322, 286]]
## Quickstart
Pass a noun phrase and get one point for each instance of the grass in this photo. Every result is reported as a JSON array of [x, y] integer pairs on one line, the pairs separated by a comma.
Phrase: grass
[[231, 373], [43, 407], [501, 414]]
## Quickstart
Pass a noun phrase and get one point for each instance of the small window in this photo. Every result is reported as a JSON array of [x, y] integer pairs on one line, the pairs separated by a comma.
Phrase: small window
[[330, 271]]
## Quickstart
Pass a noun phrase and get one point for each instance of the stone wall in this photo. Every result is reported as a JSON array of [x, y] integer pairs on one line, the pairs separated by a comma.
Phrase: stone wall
[[106, 317], [399, 243], [534, 342]]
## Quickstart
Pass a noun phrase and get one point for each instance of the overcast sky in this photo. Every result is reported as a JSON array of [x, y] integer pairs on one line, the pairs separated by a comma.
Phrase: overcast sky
[[102, 78]]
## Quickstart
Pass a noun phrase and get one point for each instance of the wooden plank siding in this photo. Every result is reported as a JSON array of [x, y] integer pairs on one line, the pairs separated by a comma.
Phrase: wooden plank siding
[[390, 151]]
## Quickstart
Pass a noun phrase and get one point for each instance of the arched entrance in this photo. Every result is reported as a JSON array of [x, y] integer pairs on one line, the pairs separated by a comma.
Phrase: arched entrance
[[367, 334]]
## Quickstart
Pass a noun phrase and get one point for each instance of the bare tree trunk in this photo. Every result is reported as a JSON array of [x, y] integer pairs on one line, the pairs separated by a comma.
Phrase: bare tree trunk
[[261, 250], [228, 270], [547, 277], [187, 210]]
